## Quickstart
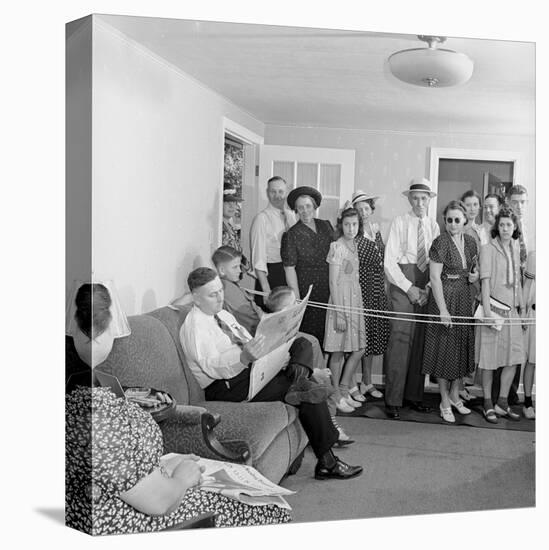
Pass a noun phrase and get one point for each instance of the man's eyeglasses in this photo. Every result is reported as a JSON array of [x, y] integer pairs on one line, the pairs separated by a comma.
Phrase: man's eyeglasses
[[457, 221]]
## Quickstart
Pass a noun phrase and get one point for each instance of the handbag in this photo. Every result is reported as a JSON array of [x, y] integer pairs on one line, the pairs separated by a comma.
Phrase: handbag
[[499, 310]]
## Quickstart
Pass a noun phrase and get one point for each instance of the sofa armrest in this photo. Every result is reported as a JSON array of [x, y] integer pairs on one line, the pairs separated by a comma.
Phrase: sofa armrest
[[191, 430]]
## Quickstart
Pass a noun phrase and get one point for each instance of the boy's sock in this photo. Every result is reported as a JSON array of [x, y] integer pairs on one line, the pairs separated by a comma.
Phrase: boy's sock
[[528, 401], [488, 404]]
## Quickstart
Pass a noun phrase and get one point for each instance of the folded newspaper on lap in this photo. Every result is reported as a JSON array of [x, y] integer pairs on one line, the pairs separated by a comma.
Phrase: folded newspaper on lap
[[280, 330], [497, 319], [239, 482]]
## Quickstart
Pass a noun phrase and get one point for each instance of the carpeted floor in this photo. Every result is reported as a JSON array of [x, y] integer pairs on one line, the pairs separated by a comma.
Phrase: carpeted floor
[[418, 468], [376, 409]]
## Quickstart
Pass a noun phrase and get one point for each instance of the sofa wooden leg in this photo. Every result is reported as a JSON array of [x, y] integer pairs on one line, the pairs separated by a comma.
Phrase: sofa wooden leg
[[296, 464]]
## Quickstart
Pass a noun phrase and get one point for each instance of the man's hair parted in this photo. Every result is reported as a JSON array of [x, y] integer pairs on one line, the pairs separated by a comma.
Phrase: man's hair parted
[[200, 276]]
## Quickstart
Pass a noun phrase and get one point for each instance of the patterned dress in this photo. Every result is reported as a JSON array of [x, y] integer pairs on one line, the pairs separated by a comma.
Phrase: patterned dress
[[230, 236], [125, 445], [372, 285], [449, 352], [354, 337], [307, 251]]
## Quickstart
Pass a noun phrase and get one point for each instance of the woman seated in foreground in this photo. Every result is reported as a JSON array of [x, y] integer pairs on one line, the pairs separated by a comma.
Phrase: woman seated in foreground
[[115, 482]]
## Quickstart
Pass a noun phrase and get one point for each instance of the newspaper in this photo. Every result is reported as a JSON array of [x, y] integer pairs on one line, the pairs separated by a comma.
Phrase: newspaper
[[280, 327], [238, 481], [280, 330]]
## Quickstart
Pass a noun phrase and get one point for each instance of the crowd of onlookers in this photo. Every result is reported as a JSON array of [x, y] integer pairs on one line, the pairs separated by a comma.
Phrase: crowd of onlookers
[[411, 299]]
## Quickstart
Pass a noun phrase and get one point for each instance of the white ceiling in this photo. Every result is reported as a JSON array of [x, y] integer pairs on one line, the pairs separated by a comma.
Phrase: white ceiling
[[316, 77]]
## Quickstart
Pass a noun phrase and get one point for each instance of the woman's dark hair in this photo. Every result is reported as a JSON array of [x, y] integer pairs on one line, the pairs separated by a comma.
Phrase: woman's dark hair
[[471, 193], [224, 254], [505, 212], [200, 276], [455, 205], [276, 296], [499, 198], [350, 212], [93, 314]]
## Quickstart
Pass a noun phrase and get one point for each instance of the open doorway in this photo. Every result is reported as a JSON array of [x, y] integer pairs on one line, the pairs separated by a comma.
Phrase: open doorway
[[233, 164], [454, 171], [456, 176], [240, 156]]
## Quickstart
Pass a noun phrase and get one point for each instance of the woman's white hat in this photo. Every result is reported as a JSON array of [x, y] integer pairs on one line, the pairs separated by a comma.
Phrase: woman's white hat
[[361, 196]]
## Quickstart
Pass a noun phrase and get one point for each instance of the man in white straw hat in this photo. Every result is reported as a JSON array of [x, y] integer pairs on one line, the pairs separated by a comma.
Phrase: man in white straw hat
[[407, 269]]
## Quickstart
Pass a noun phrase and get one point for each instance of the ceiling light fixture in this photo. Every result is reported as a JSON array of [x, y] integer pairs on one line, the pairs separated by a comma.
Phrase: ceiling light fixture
[[431, 67]]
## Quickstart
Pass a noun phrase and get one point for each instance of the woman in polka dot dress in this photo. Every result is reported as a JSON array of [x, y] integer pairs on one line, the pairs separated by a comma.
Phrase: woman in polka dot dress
[[372, 283]]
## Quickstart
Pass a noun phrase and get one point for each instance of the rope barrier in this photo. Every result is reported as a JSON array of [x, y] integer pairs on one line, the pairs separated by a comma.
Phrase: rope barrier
[[412, 317]]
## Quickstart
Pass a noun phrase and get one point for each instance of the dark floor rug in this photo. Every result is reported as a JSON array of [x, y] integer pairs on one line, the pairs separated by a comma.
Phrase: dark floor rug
[[376, 409]]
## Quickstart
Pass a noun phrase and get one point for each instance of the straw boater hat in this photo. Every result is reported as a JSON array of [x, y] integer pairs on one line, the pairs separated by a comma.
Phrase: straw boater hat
[[361, 196], [303, 190], [422, 184]]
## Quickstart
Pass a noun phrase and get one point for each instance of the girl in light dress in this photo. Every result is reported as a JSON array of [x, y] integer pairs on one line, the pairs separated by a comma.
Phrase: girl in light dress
[[345, 331], [500, 279]]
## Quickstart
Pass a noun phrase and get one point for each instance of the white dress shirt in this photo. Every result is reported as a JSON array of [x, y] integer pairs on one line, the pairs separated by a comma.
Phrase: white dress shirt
[[210, 353], [266, 235], [401, 247]]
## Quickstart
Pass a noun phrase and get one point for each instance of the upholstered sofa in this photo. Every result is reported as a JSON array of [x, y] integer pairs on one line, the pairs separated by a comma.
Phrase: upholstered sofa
[[268, 436]]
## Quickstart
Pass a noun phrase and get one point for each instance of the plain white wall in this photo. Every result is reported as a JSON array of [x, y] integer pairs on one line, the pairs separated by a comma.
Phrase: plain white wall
[[385, 162], [78, 167], [157, 171]]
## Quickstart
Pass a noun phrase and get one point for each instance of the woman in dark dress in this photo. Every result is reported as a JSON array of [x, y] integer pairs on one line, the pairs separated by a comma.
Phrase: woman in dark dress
[[372, 284], [449, 352], [304, 249]]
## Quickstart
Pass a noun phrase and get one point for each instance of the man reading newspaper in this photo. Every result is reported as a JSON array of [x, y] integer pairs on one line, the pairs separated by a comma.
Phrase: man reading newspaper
[[220, 353]]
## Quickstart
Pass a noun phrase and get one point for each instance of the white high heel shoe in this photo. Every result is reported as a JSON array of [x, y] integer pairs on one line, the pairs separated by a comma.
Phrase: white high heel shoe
[[447, 415], [460, 407]]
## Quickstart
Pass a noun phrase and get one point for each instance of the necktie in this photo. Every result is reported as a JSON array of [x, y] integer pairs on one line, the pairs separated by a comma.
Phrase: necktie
[[285, 219], [421, 254], [236, 336]]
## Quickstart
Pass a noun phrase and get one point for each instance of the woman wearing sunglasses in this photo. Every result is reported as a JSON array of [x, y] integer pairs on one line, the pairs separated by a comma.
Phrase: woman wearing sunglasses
[[449, 351]]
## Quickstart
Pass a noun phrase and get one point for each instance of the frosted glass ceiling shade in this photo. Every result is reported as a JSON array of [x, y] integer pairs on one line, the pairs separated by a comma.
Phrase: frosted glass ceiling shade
[[431, 67]]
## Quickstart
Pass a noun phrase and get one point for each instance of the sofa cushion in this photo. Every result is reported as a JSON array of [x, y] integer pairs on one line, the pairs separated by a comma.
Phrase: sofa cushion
[[172, 318], [148, 357], [257, 423]]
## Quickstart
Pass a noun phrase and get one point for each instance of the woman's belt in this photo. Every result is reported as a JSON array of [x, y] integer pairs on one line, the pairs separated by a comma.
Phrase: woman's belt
[[455, 276]]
